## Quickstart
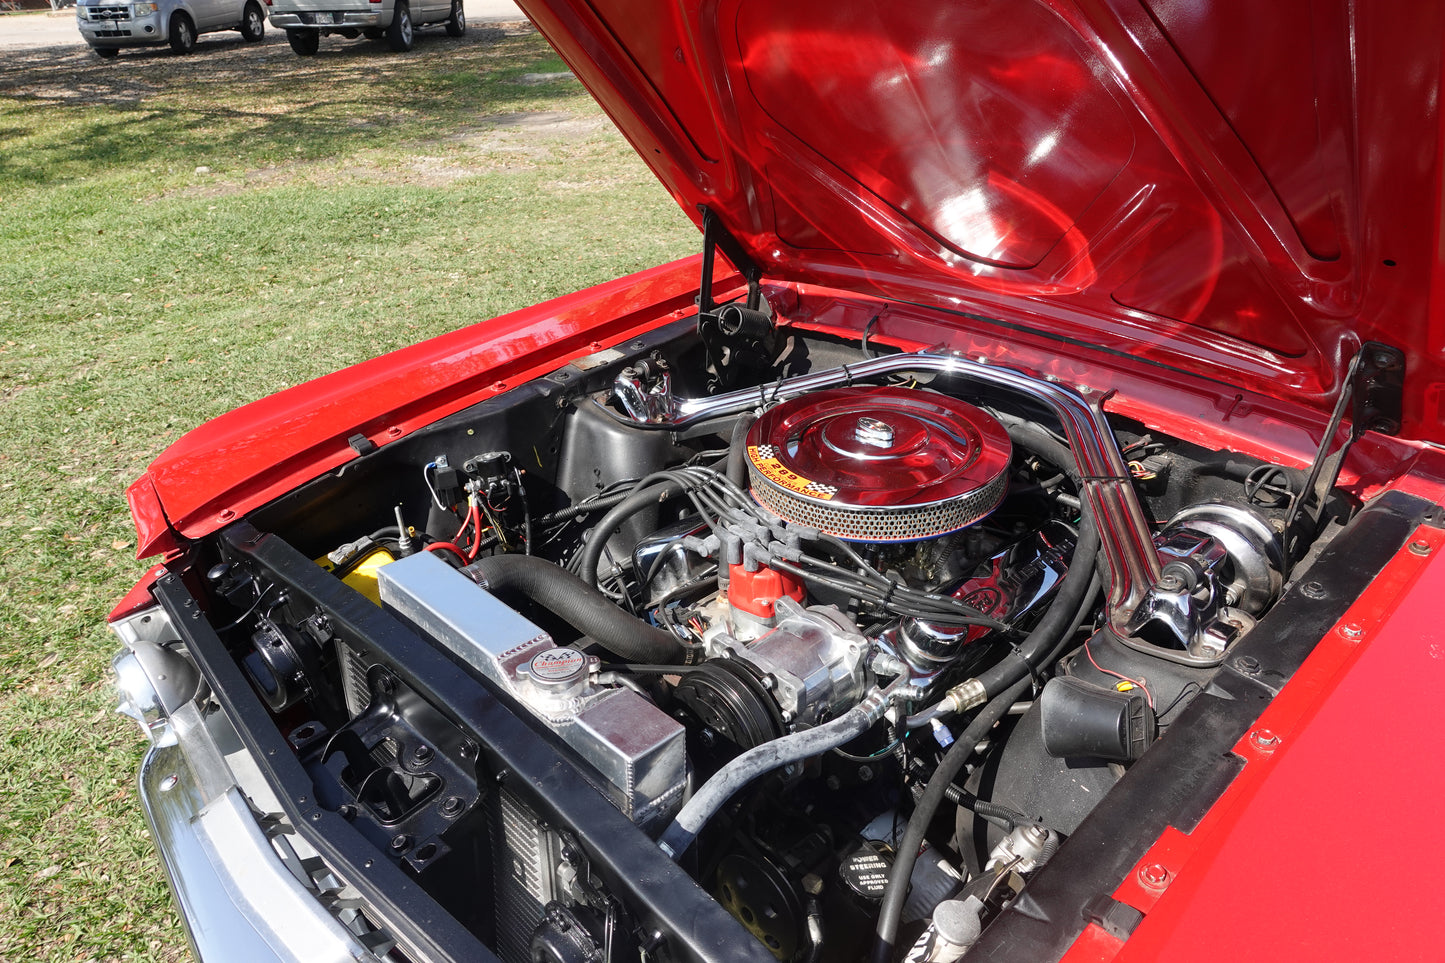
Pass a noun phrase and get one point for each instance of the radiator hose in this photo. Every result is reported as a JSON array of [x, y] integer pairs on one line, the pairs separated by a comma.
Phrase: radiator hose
[[578, 604]]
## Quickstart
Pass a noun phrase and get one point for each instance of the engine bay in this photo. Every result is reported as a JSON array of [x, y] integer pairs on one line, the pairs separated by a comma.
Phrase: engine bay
[[857, 641]]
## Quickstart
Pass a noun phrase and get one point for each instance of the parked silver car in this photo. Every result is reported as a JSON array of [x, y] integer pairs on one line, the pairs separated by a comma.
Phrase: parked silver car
[[108, 26], [395, 21]]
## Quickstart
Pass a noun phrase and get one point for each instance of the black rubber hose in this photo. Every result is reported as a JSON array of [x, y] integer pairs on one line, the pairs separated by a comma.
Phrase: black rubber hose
[[643, 498], [940, 785], [890, 910], [1073, 589], [578, 604], [1032, 653], [984, 808], [1040, 442], [768, 757], [738, 450]]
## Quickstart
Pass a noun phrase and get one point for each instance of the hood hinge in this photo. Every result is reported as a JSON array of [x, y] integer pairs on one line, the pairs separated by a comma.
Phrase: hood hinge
[[739, 339], [1373, 389]]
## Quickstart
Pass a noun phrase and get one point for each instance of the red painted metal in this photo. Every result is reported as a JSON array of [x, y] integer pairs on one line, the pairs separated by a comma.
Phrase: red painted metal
[[1316, 850], [154, 535], [1206, 411], [1197, 208], [249, 456], [1243, 190], [139, 596]]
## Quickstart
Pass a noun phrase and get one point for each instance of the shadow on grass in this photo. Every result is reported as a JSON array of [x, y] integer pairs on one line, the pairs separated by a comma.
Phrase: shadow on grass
[[64, 113]]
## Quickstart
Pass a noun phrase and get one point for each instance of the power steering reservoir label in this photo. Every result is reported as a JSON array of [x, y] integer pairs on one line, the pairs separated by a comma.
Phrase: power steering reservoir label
[[765, 460], [557, 665], [866, 873]]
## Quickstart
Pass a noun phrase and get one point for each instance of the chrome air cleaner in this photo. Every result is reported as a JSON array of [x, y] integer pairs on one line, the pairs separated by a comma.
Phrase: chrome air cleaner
[[879, 464]]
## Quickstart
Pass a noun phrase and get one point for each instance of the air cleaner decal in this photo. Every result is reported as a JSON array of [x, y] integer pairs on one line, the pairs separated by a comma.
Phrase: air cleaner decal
[[764, 459]]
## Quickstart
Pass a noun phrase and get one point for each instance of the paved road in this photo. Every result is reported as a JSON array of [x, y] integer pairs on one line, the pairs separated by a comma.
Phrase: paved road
[[38, 30], [47, 30]]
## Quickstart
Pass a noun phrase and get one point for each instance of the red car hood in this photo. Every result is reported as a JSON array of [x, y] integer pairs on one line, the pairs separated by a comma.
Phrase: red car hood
[[1247, 190]]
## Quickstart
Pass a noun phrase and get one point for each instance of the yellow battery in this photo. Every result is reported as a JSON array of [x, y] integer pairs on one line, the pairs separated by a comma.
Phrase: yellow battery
[[363, 576]]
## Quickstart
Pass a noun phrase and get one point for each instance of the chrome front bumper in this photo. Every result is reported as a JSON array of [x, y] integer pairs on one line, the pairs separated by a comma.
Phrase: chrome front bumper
[[347, 18], [241, 895], [121, 31]]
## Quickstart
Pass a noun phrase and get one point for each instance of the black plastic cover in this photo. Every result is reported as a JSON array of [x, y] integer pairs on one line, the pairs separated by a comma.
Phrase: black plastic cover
[[1081, 719]]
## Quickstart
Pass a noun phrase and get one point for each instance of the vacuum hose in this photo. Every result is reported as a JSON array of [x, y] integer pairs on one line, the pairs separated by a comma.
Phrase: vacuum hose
[[646, 495]]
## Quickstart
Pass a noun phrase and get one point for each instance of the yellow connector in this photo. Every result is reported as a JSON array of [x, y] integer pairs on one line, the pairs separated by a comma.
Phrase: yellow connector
[[363, 576]]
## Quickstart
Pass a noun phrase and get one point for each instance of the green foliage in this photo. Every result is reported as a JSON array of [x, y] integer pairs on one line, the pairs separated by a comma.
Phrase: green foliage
[[355, 202]]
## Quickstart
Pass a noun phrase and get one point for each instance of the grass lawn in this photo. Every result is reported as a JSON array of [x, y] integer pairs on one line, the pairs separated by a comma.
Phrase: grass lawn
[[179, 236]]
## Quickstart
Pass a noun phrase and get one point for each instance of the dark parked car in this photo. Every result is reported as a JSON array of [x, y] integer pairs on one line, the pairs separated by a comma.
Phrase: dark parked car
[[1015, 535]]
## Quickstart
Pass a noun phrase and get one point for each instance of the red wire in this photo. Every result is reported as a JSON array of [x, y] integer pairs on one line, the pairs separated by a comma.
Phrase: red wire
[[1116, 675], [465, 522], [475, 516], [450, 548]]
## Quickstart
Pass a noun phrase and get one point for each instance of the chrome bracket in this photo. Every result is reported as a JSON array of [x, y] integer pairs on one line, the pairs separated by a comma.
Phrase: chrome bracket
[[645, 392]]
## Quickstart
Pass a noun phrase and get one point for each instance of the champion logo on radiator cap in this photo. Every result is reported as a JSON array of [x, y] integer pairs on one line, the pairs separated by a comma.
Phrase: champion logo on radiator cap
[[557, 665]]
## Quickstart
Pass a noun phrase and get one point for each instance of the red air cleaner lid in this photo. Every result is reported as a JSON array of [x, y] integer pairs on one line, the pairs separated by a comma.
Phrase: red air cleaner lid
[[879, 464]]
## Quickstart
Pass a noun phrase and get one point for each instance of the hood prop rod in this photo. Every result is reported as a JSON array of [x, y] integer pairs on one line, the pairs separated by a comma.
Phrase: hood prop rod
[[739, 339], [1373, 391], [715, 236]]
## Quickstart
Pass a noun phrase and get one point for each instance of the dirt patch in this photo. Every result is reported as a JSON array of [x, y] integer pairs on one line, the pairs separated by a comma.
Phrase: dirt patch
[[526, 134], [533, 80]]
